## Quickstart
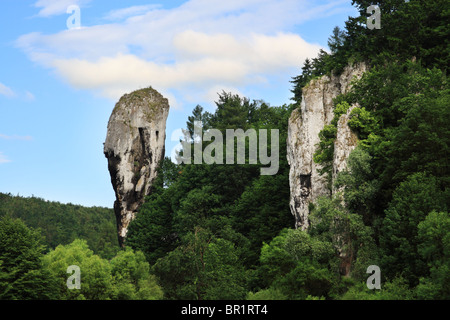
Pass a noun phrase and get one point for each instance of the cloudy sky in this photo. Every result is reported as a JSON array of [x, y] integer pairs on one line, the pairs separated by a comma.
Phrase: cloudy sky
[[59, 80]]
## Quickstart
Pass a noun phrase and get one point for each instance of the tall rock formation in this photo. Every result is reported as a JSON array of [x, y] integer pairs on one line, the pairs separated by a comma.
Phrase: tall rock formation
[[305, 123], [134, 147]]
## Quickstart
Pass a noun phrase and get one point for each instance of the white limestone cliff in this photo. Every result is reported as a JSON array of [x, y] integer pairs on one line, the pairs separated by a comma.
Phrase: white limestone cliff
[[305, 124], [134, 148]]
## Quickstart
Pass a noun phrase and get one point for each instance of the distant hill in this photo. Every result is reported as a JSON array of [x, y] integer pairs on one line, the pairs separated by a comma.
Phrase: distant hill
[[63, 223]]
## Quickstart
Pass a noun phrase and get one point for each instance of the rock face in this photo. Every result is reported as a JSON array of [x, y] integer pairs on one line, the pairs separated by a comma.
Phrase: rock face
[[134, 147], [305, 123], [346, 141]]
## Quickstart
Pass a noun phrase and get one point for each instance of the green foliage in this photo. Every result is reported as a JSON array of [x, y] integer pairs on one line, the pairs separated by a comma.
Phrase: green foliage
[[306, 279], [261, 211], [421, 141], [131, 277], [203, 267], [232, 111], [196, 209], [63, 223], [295, 266], [363, 123], [397, 289], [301, 246], [275, 259], [312, 69], [336, 40], [414, 198], [351, 239], [359, 185], [400, 172], [409, 29], [27, 273], [22, 275], [266, 294], [434, 248], [96, 281], [325, 149], [125, 277], [400, 118], [156, 236], [382, 89]]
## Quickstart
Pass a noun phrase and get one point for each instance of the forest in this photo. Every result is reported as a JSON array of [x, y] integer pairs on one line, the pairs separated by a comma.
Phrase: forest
[[225, 232]]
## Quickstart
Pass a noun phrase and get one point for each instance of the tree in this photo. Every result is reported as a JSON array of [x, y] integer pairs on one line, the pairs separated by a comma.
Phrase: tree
[[196, 209], [22, 276], [263, 210], [63, 223], [421, 142], [336, 40], [434, 248], [232, 111], [352, 240], [397, 289], [95, 272], [152, 231], [414, 198], [296, 265], [275, 260], [409, 29], [267, 294], [131, 277], [225, 276], [301, 80], [203, 268], [359, 185], [197, 115], [176, 274]]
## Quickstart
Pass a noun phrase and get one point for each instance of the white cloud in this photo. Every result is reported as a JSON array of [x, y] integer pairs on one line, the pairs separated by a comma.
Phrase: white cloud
[[15, 137], [120, 14], [261, 53], [6, 91], [115, 75], [10, 93], [29, 96], [203, 61], [55, 7], [200, 45], [3, 159]]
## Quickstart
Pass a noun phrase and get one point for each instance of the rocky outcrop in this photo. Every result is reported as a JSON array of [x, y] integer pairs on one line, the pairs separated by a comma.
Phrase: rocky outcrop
[[346, 141], [134, 147], [305, 124]]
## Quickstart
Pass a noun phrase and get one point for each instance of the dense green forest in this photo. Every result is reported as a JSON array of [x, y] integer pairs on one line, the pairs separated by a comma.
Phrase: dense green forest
[[212, 231], [63, 223], [225, 232]]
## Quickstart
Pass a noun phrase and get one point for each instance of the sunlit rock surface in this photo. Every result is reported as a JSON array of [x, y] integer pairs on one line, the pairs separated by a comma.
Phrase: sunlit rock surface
[[305, 123], [134, 147]]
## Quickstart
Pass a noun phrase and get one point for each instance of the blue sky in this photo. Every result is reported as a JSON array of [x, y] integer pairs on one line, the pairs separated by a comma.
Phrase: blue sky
[[59, 86]]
